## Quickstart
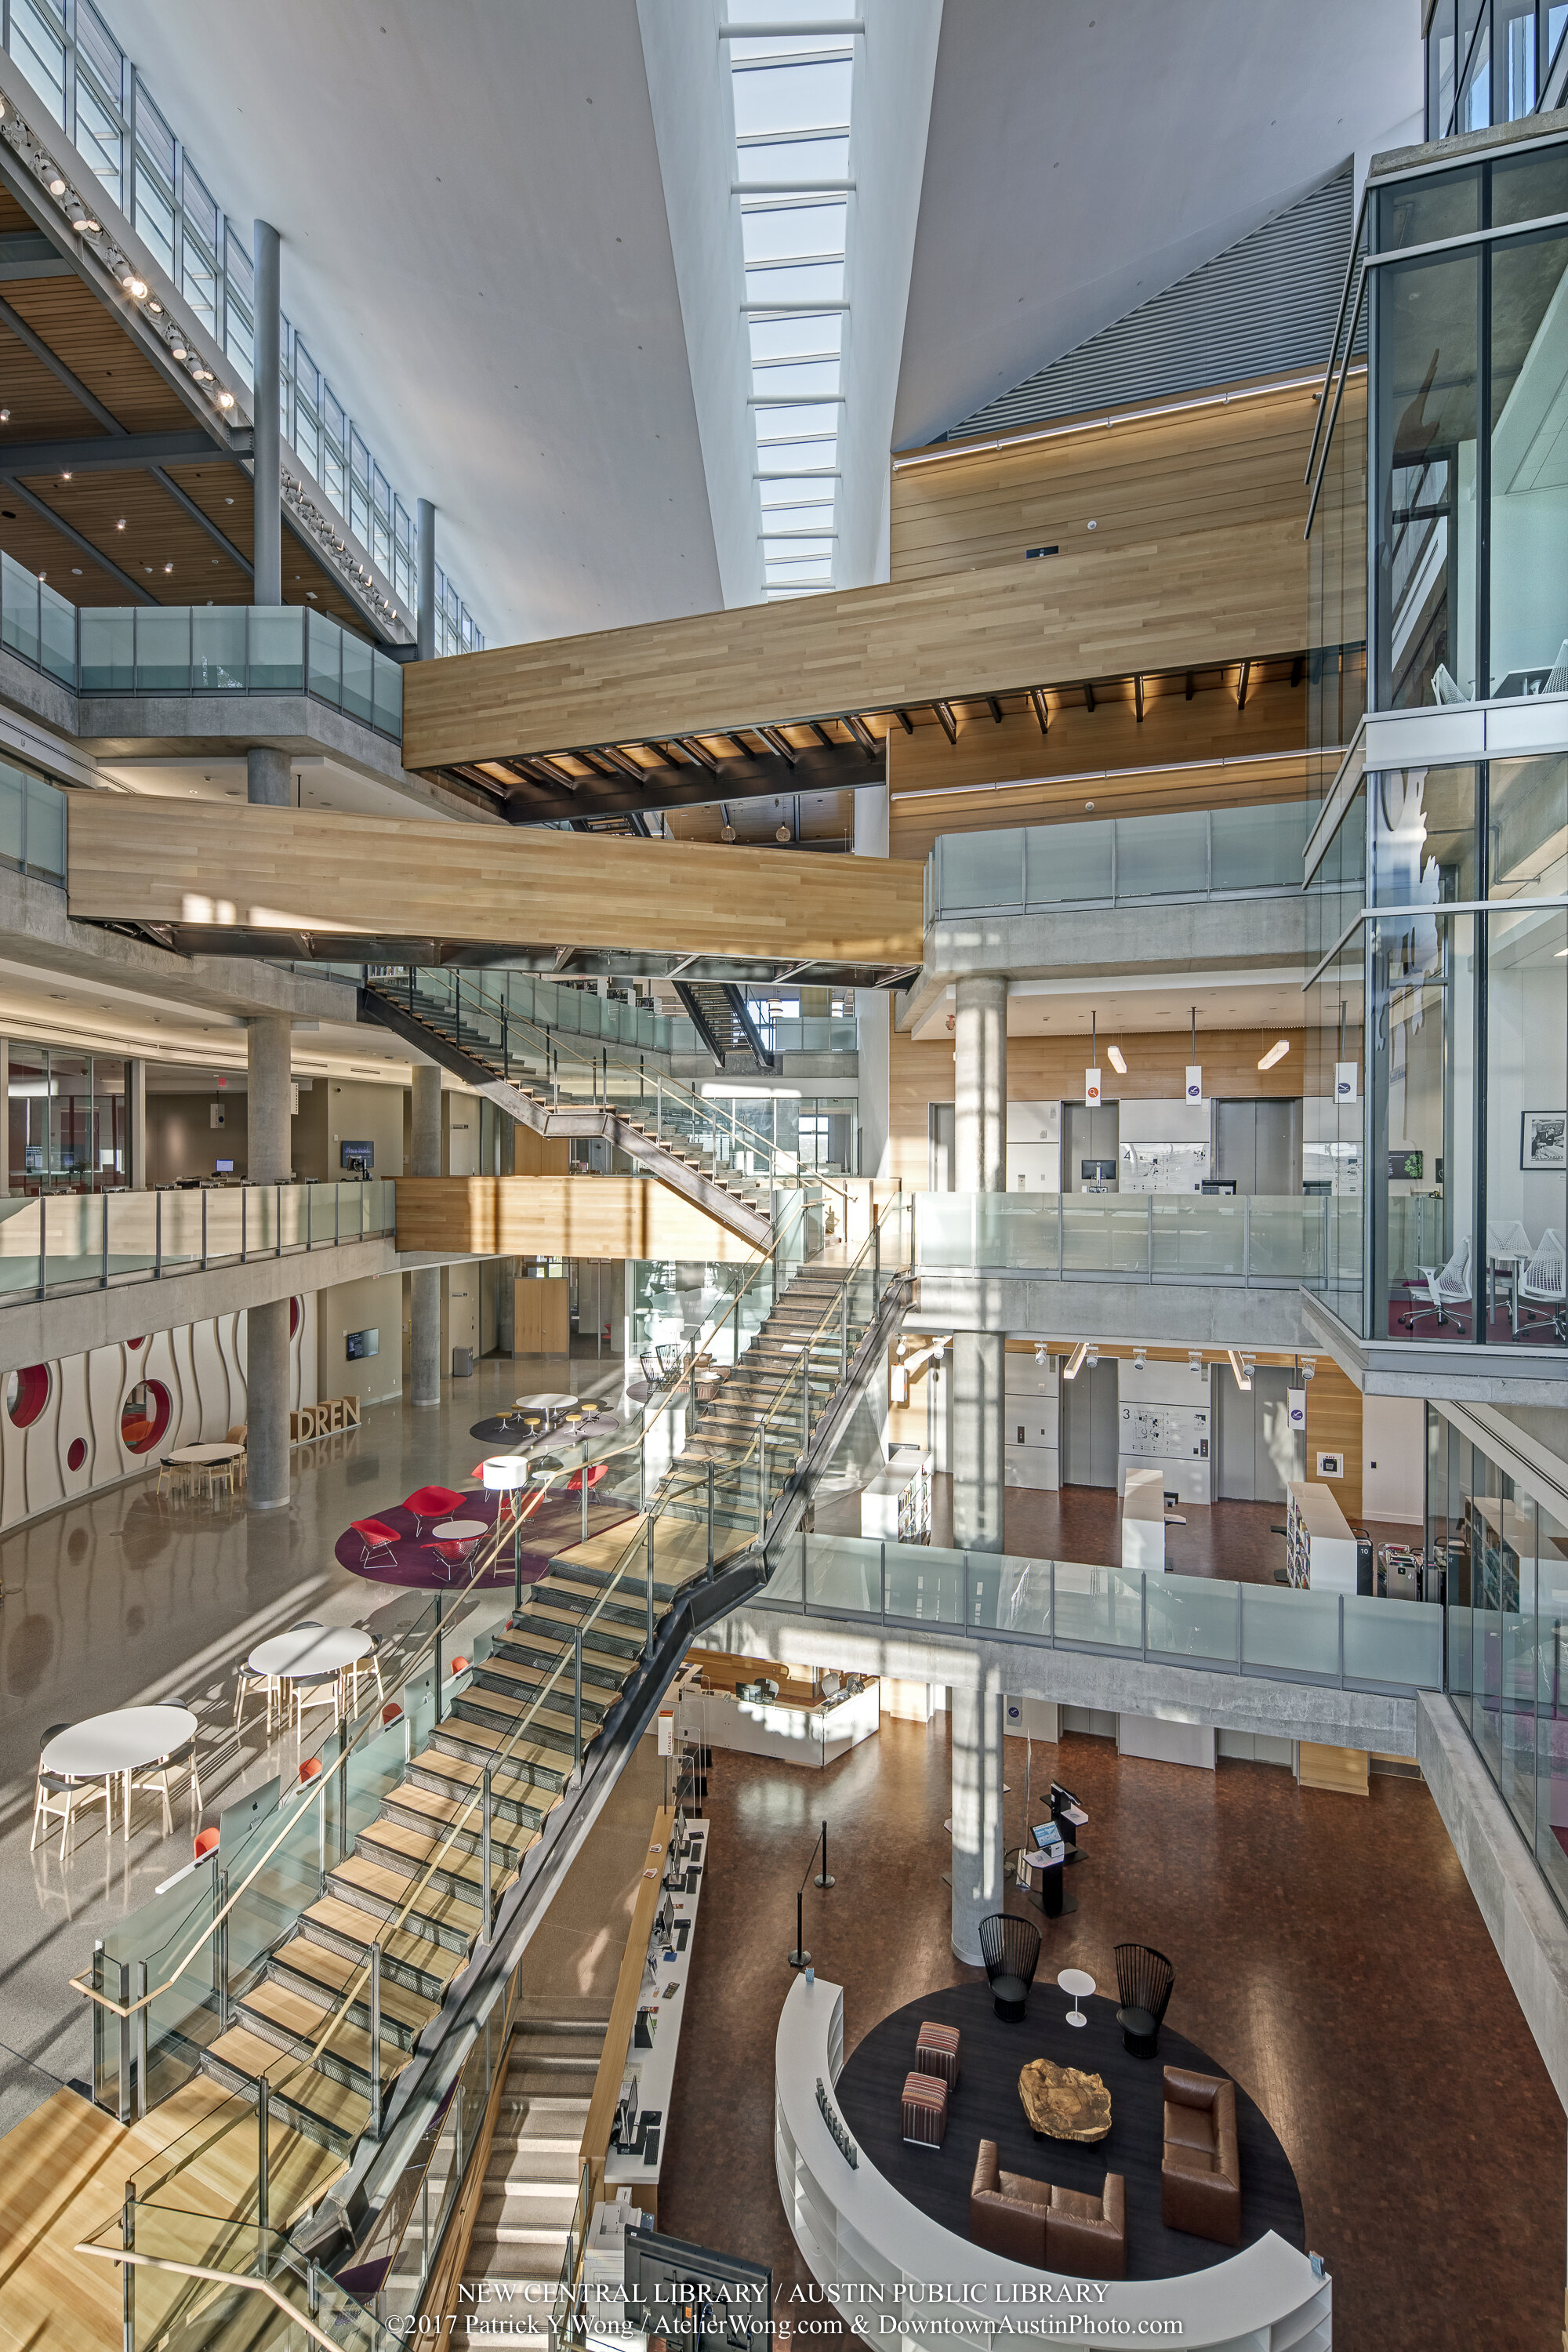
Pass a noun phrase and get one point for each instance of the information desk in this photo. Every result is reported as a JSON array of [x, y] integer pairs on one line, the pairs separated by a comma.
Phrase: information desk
[[854, 2230], [794, 1728]]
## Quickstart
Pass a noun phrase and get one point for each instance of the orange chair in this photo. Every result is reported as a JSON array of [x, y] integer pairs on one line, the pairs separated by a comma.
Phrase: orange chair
[[311, 1770], [206, 1843]]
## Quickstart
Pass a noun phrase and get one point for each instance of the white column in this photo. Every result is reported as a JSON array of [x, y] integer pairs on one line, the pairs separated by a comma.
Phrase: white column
[[136, 1124], [425, 615], [267, 554], [425, 1282], [979, 1440], [976, 1728], [873, 1006], [4, 1117], [268, 1161], [980, 1086]]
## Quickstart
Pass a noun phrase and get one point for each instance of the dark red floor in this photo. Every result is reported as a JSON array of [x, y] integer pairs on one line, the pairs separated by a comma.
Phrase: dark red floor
[[1328, 1953]]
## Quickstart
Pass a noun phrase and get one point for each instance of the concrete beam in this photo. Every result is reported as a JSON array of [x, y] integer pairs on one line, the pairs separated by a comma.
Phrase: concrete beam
[[1161, 1314], [1522, 1920], [1426, 1367], [1150, 937], [1372, 1720]]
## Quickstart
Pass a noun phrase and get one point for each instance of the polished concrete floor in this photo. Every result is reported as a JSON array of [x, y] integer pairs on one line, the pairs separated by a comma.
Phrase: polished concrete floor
[[1328, 1953], [126, 1600]]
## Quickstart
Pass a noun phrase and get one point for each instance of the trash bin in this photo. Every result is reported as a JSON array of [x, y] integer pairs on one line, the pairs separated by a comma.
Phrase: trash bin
[[462, 1363]]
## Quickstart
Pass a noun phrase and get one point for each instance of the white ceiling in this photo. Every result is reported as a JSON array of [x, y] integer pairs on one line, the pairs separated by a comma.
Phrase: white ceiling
[[1082, 154], [478, 242]]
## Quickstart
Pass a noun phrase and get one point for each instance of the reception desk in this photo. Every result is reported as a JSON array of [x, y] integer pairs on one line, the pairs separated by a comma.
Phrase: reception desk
[[856, 2230], [796, 1734]]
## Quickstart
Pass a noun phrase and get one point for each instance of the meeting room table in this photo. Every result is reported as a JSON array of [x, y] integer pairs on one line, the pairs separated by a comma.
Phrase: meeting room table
[[116, 1746]]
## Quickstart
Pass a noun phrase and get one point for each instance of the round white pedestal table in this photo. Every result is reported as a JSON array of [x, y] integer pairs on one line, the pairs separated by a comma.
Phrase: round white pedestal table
[[114, 1747]]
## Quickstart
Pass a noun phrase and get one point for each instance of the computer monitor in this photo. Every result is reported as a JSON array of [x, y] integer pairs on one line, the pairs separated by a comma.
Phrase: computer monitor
[[1045, 1834], [222, 1167]]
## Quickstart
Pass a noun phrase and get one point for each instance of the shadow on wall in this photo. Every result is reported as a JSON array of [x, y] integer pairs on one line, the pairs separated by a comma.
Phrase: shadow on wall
[[85, 1422]]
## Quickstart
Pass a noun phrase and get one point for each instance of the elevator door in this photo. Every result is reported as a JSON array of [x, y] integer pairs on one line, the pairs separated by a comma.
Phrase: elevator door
[[1089, 1134], [1257, 1145], [1257, 1444], [1089, 1427], [939, 1130]]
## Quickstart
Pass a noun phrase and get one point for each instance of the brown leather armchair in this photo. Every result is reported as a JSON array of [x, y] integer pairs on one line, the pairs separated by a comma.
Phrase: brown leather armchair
[[1052, 2228], [1200, 2173]]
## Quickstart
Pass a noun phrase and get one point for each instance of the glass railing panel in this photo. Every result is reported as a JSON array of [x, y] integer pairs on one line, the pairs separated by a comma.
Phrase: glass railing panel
[[359, 678], [1163, 857], [945, 1229], [1013, 1229], [21, 1246], [108, 649], [18, 610], [1285, 1239], [217, 648], [1067, 862], [322, 1209], [133, 1220], [388, 695], [981, 869], [73, 1235], [56, 637], [1105, 1233], [1291, 1632], [276, 648], [1196, 1617], [925, 1582], [1022, 1598], [181, 1220], [225, 1236], [324, 657], [1196, 1239], [1394, 1641], [164, 649], [1259, 848], [12, 804], [293, 1216], [1098, 1606], [45, 843]]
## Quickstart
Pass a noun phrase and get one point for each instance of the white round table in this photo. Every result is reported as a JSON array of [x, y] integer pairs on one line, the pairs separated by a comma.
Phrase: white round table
[[459, 1532], [112, 1747], [550, 1402], [308, 1654], [1079, 1984], [193, 1456], [503, 1473]]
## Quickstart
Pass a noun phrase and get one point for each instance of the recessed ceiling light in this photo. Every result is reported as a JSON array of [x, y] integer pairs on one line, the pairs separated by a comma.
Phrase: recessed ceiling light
[[65, 477], [121, 524], [168, 567], [5, 416]]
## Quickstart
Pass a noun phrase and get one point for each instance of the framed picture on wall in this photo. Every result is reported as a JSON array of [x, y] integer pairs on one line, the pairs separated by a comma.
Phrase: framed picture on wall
[[1543, 1139]]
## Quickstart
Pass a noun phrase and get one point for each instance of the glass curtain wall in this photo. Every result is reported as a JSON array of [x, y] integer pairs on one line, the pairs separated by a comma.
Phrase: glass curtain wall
[[1333, 1152], [1488, 61], [1504, 1548], [66, 1123], [1463, 1127], [1469, 518]]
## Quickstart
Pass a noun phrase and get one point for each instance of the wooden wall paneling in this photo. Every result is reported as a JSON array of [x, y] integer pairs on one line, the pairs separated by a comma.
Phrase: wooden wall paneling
[[612, 1217], [542, 1317], [1207, 595], [1333, 1427], [178, 861], [1140, 481]]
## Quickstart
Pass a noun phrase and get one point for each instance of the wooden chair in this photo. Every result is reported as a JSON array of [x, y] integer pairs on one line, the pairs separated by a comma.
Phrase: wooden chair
[[57, 1792], [178, 1762]]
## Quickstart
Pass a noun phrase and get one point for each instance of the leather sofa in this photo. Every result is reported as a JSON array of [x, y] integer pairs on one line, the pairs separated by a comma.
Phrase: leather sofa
[[1200, 2171], [1052, 2228]]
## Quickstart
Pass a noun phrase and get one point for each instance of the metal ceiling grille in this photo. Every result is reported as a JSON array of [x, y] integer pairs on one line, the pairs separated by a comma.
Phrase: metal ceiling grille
[[1265, 306]]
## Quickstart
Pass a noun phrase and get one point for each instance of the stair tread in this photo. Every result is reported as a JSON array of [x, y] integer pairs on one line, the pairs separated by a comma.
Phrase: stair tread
[[446, 1811], [464, 1774], [305, 2086], [334, 1972], [421, 1847], [296, 2013], [392, 1886], [354, 1925]]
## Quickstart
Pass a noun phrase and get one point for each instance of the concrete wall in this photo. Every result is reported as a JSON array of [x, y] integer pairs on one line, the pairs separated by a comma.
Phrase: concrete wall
[[338, 1111], [368, 1305]]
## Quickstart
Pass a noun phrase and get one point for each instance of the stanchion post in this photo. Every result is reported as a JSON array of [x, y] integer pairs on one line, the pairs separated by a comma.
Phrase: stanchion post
[[824, 1876], [800, 1956], [485, 1860], [375, 2037], [127, 2270]]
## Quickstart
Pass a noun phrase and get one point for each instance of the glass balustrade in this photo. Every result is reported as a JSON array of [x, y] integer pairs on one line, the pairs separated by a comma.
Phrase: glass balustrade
[[58, 1240], [185, 649], [1262, 1239], [1192, 854], [1352, 1642]]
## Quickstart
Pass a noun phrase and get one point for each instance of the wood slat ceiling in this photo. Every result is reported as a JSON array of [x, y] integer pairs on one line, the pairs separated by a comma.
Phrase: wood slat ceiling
[[92, 343], [213, 488]]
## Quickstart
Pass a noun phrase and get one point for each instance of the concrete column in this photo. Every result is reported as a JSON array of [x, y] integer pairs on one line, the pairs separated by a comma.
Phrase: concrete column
[[979, 1439], [425, 1282], [136, 1124], [976, 1719], [873, 1006], [980, 1081], [269, 1160], [4, 1117], [267, 553], [266, 778], [425, 621]]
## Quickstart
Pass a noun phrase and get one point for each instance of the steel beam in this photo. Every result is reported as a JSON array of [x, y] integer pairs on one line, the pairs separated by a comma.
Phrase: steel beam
[[112, 451]]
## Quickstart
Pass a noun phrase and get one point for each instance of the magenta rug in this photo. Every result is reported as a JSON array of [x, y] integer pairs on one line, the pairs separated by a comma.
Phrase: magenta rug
[[413, 1560]]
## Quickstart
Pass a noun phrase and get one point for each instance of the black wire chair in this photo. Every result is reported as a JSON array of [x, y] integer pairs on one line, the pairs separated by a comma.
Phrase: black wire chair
[[1144, 1979], [1010, 1947]]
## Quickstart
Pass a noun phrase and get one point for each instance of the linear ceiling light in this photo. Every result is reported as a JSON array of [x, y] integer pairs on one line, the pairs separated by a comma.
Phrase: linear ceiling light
[[1242, 1376], [1276, 1052], [1074, 1364], [1118, 1062]]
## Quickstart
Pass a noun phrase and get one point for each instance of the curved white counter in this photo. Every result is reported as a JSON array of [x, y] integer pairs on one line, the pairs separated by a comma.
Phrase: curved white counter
[[879, 2258]]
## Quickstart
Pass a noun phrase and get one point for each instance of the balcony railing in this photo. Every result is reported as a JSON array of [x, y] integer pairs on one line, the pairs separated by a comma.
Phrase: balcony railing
[[1262, 1240], [1195, 854], [1344, 1640], [32, 824], [198, 649], [95, 1241]]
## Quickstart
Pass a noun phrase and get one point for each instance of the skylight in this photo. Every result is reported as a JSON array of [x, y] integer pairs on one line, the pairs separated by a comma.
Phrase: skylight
[[793, 97]]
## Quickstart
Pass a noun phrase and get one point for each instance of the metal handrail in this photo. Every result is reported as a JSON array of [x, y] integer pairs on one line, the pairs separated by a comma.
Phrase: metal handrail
[[245, 2279]]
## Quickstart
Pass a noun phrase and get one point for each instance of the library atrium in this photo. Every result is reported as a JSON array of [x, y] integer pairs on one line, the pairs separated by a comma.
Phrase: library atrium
[[918, 531]]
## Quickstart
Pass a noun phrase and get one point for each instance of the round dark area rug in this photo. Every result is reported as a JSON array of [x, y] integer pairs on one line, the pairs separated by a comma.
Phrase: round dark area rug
[[987, 2106]]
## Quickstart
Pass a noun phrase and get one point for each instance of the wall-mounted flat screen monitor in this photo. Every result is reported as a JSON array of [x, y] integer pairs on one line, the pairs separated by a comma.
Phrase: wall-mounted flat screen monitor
[[1405, 1167], [361, 1343], [1097, 1171], [1223, 1185]]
